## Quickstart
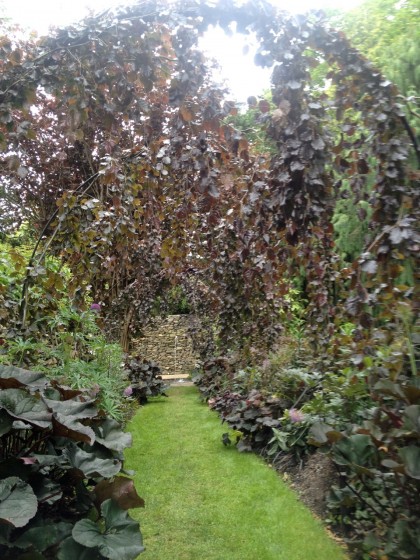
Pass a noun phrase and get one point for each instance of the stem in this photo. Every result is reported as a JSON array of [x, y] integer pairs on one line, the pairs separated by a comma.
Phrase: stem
[[26, 283], [411, 351], [412, 138], [366, 504]]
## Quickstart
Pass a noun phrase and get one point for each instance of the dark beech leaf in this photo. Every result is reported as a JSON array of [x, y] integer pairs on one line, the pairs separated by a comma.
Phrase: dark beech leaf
[[18, 503]]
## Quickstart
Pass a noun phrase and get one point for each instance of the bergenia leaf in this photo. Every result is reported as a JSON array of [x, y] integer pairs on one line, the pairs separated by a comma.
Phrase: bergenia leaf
[[18, 503]]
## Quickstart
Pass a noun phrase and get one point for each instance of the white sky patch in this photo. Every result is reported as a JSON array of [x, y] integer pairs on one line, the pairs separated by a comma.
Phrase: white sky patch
[[237, 69]]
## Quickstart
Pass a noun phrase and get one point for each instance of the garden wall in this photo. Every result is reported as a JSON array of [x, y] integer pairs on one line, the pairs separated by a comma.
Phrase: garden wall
[[168, 343]]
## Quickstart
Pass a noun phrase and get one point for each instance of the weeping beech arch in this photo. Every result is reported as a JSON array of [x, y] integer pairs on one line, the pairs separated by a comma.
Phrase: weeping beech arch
[[146, 183]]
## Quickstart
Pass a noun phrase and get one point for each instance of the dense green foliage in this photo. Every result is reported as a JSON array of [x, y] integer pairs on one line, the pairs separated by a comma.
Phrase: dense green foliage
[[68, 343], [385, 31], [60, 496]]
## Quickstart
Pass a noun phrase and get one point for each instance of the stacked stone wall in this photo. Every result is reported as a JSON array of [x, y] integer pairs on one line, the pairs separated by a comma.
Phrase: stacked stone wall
[[168, 343]]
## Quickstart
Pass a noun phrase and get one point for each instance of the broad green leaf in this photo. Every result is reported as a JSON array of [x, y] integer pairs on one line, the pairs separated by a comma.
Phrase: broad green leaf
[[46, 490], [412, 418], [410, 456], [412, 392], [73, 408], [12, 377], [42, 536], [18, 503], [66, 419], [119, 540], [15, 466], [70, 427], [25, 407], [110, 435], [6, 422], [320, 434], [31, 555], [5, 531], [387, 387], [90, 464], [357, 449], [70, 550]]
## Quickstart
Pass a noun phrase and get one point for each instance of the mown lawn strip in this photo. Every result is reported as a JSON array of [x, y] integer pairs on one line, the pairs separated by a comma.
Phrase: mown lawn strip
[[208, 502]]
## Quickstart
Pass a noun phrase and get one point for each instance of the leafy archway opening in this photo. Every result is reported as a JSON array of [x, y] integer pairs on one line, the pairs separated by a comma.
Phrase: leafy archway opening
[[135, 177]]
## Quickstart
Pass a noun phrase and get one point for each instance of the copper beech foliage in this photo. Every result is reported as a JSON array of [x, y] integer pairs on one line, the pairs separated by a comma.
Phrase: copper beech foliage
[[115, 147]]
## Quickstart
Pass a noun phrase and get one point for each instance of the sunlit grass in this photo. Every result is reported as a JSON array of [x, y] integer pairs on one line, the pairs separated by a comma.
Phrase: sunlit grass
[[208, 502]]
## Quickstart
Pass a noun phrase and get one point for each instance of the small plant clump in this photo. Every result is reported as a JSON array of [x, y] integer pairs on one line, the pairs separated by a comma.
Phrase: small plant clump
[[62, 492], [145, 379]]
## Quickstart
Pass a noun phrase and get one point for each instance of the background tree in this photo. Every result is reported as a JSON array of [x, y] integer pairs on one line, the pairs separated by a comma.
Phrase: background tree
[[385, 31]]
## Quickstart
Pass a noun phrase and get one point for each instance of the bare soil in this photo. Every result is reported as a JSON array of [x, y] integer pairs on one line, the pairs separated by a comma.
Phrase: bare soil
[[313, 481]]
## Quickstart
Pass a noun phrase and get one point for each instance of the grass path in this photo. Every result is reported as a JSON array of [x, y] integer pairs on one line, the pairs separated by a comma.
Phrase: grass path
[[208, 502]]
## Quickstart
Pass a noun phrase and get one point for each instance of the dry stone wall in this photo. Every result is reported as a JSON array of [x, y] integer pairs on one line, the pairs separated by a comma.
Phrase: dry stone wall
[[168, 343]]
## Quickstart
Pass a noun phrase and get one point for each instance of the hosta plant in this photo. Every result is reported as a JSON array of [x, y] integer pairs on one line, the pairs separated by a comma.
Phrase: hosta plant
[[62, 494]]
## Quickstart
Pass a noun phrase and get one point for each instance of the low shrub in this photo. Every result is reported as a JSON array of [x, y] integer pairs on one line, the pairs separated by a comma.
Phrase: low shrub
[[145, 379], [289, 446], [62, 495], [214, 376], [255, 417], [225, 403], [74, 350], [378, 459]]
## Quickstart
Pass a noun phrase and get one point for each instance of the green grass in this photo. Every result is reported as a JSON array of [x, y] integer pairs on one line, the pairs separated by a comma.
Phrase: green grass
[[208, 502]]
